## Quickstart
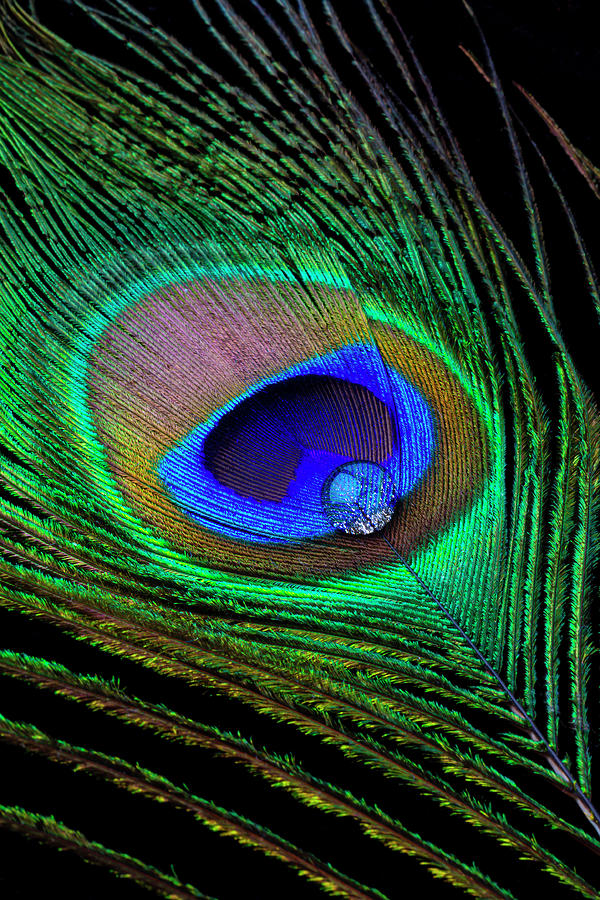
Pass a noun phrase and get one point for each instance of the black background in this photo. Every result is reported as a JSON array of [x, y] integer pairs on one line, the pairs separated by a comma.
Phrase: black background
[[551, 48]]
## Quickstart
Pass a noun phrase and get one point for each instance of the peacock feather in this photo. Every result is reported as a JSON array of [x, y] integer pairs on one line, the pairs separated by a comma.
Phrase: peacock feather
[[307, 548]]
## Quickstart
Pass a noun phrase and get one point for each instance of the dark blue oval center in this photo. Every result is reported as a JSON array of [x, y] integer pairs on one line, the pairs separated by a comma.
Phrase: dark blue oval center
[[256, 448]]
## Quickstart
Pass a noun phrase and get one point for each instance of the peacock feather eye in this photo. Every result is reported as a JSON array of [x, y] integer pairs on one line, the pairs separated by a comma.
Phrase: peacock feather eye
[[224, 404]]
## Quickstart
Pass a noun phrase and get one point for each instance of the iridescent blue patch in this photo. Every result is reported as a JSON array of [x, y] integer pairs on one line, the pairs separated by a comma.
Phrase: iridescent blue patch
[[299, 514]]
